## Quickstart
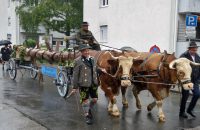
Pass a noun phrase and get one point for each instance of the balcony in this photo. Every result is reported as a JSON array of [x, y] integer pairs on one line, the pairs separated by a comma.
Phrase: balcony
[[189, 6]]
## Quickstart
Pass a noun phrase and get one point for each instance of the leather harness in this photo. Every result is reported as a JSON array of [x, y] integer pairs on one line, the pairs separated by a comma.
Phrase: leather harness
[[161, 67]]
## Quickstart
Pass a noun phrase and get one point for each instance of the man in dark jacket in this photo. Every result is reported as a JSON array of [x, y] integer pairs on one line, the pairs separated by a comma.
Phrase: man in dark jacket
[[5, 51], [85, 79], [85, 36], [192, 55]]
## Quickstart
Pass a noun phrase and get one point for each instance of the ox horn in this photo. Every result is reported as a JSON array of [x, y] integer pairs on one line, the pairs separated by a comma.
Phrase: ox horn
[[195, 64], [171, 65], [136, 58], [112, 57]]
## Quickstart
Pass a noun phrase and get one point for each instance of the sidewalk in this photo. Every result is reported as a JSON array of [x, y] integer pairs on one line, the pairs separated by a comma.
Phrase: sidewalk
[[196, 128], [11, 119]]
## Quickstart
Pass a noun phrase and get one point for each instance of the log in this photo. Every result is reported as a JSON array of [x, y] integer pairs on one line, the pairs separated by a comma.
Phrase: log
[[57, 56], [39, 54], [48, 55], [28, 50], [33, 52]]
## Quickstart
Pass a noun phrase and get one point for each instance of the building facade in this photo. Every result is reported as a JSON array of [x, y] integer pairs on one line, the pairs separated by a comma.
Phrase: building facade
[[141, 24]]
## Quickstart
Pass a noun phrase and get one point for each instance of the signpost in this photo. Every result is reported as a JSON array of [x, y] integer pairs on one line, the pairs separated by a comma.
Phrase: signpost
[[154, 49], [191, 23], [191, 20]]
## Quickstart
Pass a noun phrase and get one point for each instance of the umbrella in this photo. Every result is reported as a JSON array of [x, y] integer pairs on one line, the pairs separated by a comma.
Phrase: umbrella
[[127, 48], [5, 42]]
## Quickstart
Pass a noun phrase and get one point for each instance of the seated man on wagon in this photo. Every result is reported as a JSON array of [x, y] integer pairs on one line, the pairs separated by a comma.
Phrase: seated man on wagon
[[85, 36]]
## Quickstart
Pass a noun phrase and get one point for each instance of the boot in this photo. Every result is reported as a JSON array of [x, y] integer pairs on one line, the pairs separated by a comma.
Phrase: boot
[[88, 119]]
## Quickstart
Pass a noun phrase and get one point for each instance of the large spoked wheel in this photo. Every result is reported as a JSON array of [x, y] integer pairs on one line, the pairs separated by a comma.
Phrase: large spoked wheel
[[12, 70], [62, 84], [33, 72]]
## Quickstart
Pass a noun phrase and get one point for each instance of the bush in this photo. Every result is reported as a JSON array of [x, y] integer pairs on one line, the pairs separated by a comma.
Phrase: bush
[[30, 43]]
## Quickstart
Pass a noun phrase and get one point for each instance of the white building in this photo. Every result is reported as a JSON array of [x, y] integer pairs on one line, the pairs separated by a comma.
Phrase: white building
[[139, 23], [10, 27]]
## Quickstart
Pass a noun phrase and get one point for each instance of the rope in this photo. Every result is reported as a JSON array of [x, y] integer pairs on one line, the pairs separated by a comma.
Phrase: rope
[[111, 47], [145, 76], [152, 82]]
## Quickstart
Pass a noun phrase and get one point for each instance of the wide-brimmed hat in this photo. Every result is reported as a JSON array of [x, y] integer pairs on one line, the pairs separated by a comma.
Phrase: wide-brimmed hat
[[193, 45], [85, 24], [83, 46]]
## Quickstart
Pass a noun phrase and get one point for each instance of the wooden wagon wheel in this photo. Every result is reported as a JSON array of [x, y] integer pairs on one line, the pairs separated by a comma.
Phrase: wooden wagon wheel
[[62, 84], [12, 70], [33, 72]]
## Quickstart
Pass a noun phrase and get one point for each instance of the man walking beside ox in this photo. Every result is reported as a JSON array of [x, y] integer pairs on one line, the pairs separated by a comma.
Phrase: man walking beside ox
[[192, 55], [85, 79]]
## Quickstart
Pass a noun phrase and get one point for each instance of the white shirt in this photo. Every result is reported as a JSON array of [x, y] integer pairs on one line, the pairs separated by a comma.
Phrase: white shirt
[[193, 58]]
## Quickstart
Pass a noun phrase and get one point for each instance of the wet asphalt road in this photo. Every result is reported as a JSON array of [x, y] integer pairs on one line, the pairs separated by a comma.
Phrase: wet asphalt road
[[42, 103]]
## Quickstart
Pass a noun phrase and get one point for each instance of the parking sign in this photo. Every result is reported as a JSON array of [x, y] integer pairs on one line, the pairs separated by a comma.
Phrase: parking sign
[[191, 20]]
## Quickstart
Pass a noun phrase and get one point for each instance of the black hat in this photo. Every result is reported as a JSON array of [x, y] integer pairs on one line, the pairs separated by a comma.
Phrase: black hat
[[85, 24], [192, 45], [83, 46]]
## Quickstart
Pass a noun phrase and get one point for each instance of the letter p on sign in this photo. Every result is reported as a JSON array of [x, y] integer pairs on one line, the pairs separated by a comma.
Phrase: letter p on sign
[[191, 20]]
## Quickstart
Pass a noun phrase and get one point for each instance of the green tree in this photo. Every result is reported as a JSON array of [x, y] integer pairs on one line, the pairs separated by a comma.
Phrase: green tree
[[29, 19], [55, 15]]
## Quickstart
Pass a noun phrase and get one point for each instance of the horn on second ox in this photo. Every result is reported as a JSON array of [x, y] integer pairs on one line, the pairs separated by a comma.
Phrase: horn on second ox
[[171, 65], [195, 64]]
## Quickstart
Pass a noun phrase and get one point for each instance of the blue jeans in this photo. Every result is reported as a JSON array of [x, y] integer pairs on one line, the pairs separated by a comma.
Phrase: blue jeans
[[185, 95]]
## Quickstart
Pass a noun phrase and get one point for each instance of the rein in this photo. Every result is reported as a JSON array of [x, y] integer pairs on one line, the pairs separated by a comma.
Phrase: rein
[[159, 83]]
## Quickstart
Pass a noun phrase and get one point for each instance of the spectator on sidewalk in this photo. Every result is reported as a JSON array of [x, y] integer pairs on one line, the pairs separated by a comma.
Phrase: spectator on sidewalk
[[6, 52]]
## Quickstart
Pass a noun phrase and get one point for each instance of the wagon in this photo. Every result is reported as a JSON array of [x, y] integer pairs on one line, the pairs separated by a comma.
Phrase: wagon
[[60, 73], [16, 64]]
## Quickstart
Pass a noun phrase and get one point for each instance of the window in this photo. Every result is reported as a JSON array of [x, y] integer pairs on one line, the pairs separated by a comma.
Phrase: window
[[54, 43], [9, 21], [8, 3], [103, 3], [104, 33], [9, 37]]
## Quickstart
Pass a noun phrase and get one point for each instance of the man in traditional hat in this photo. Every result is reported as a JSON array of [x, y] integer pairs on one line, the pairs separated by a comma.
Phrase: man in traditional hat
[[192, 55], [85, 36], [85, 79]]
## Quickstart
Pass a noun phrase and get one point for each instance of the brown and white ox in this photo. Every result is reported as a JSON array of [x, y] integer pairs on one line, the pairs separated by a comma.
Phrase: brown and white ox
[[117, 66], [159, 68]]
